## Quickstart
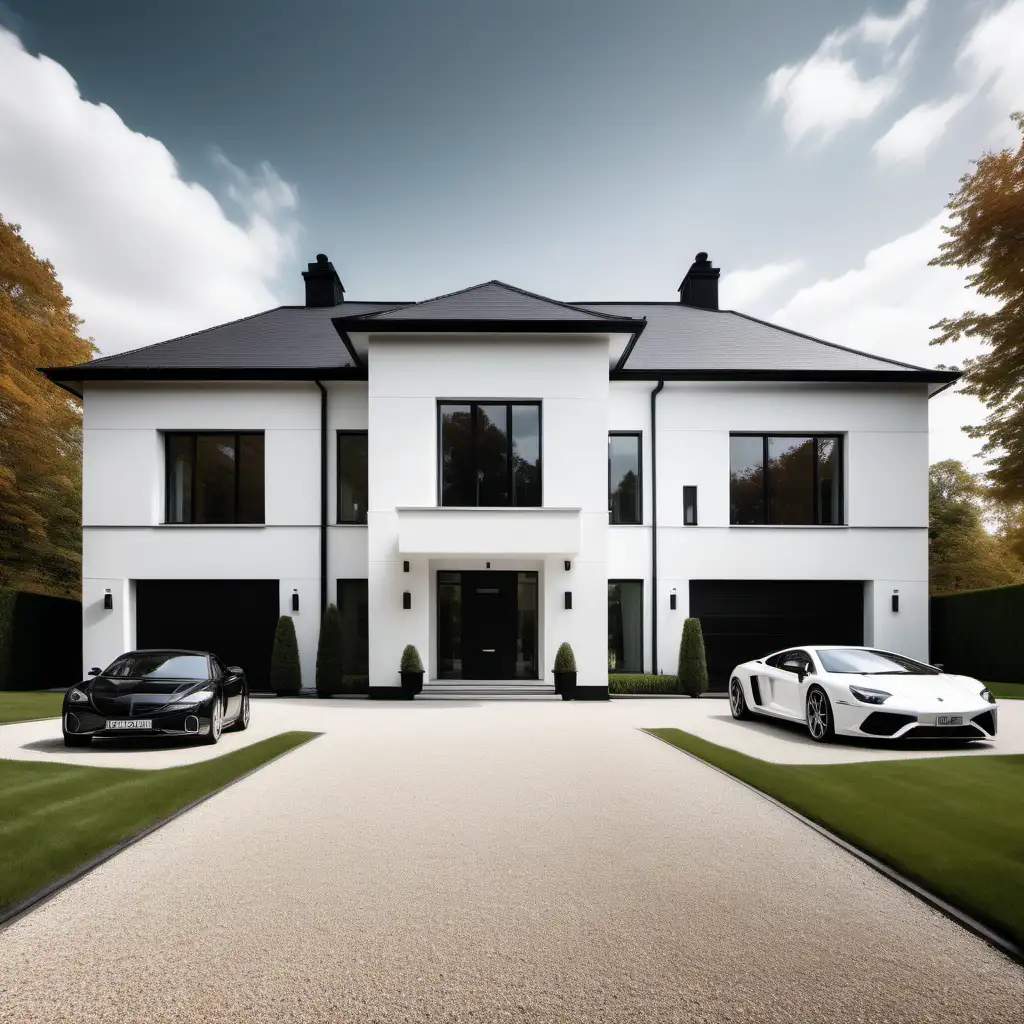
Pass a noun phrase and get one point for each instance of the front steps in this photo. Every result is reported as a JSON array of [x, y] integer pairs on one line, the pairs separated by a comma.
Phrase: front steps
[[487, 689]]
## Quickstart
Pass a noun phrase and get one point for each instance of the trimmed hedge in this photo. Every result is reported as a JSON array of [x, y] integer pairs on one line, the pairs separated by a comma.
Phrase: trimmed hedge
[[693, 666], [410, 660], [565, 660], [40, 641], [638, 682], [285, 670], [980, 633], [329, 677]]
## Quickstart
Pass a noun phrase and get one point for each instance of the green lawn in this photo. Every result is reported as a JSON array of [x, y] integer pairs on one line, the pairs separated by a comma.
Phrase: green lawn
[[1007, 691], [25, 707], [953, 824], [55, 817]]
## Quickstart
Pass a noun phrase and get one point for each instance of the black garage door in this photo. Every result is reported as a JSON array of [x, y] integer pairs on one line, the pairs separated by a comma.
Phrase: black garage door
[[744, 619], [235, 619]]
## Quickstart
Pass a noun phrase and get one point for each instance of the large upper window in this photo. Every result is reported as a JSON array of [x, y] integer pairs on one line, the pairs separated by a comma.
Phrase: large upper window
[[214, 478], [786, 480], [490, 453], [624, 503], [352, 485]]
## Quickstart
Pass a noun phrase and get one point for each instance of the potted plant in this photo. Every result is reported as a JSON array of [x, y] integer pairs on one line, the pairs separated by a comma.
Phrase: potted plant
[[411, 671], [565, 672]]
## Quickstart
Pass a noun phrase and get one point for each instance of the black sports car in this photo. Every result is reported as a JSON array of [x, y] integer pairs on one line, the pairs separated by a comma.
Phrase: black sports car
[[157, 693]]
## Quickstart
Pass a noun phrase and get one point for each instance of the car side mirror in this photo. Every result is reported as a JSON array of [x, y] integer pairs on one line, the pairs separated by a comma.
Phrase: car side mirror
[[801, 674], [95, 671], [234, 670]]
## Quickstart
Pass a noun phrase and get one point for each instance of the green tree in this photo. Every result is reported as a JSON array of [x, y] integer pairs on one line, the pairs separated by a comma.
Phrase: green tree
[[329, 659], [986, 238], [962, 554], [40, 426], [693, 668], [285, 670]]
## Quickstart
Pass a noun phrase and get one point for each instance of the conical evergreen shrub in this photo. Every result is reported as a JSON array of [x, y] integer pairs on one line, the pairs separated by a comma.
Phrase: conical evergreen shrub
[[285, 671], [329, 654], [693, 668]]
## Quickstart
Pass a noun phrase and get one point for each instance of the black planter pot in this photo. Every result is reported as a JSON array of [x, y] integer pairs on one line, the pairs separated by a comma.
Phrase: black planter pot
[[412, 683], [565, 684]]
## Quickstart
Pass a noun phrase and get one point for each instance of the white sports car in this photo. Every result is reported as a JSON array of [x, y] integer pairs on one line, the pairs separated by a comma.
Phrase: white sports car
[[860, 691]]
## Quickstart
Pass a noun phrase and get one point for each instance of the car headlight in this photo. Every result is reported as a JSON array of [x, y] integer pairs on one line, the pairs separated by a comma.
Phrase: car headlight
[[190, 700], [862, 693], [75, 696], [986, 694]]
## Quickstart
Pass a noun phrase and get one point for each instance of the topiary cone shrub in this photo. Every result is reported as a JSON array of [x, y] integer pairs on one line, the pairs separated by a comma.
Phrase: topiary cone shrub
[[411, 670], [565, 672], [285, 670], [328, 654], [693, 668]]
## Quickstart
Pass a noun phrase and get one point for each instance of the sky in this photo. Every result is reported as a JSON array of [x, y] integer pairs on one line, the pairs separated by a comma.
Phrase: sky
[[180, 163]]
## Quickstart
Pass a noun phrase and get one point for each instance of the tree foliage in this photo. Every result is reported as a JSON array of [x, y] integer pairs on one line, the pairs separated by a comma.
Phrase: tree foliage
[[40, 426], [285, 669], [962, 554], [693, 667], [986, 237], [329, 654]]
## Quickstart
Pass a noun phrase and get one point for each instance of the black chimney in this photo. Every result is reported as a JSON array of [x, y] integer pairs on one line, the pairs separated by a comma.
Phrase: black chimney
[[700, 286], [323, 286]]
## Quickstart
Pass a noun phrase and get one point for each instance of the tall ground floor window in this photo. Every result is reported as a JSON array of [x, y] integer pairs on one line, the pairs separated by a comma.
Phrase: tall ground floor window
[[353, 604], [626, 625]]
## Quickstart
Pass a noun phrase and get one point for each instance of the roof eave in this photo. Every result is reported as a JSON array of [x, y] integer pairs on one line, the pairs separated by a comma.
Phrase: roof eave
[[357, 325], [943, 377]]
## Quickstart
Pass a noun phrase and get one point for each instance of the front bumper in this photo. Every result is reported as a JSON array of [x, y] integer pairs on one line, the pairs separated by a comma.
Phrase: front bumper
[[885, 722], [84, 721]]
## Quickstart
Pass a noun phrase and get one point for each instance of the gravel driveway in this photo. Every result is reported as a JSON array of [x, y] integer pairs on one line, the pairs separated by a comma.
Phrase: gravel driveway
[[534, 862]]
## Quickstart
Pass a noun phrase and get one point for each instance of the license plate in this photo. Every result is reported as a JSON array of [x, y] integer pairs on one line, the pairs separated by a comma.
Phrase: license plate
[[130, 723], [949, 720]]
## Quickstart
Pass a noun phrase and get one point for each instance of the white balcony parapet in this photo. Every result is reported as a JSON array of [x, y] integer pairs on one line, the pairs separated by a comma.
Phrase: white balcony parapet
[[457, 530]]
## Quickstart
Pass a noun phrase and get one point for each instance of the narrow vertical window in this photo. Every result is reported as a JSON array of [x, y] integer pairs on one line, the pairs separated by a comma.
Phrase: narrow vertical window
[[353, 606], [624, 498], [626, 625], [746, 480], [352, 476], [689, 506]]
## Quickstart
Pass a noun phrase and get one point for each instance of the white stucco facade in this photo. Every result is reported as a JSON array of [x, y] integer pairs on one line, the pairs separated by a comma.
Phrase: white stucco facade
[[883, 543]]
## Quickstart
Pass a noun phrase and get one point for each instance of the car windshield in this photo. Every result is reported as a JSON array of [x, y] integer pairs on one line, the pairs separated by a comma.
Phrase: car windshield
[[854, 661], [160, 665]]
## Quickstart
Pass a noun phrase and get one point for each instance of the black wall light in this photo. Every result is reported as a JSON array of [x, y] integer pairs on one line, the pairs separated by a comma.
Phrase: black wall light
[[295, 600], [108, 602], [896, 602], [568, 565], [672, 600], [568, 599], [405, 567], [407, 600]]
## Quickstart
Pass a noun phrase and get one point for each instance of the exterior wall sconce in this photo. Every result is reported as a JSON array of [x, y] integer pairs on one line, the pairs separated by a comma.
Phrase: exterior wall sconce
[[108, 602], [295, 600], [672, 599], [895, 600], [568, 565], [568, 600], [405, 567], [407, 600]]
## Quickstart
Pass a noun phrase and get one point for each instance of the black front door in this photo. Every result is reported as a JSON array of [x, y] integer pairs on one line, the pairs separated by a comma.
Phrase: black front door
[[489, 625]]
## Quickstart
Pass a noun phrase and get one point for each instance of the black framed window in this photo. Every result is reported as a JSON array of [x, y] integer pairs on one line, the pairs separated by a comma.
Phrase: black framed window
[[785, 479], [353, 488], [353, 606], [625, 501], [214, 477], [489, 453], [626, 625], [689, 506]]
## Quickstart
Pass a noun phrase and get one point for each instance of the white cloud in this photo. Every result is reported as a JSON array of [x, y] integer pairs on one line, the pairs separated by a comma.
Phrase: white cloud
[[742, 288], [992, 56], [909, 138], [886, 306], [827, 91], [143, 254]]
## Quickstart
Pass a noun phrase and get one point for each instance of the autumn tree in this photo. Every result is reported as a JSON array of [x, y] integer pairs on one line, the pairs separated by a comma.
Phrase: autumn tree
[[962, 554], [986, 238], [40, 426]]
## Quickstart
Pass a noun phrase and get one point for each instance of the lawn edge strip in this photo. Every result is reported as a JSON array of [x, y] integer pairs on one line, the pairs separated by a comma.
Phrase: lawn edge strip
[[1004, 945], [18, 910]]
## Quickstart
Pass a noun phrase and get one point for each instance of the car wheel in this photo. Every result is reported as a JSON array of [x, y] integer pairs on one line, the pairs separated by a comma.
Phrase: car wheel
[[70, 740], [242, 721], [819, 716], [737, 702], [216, 722]]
